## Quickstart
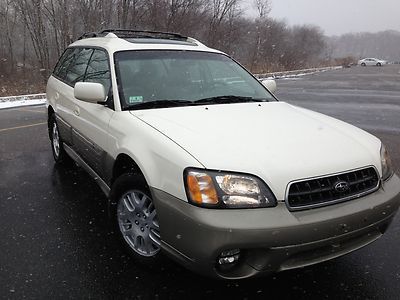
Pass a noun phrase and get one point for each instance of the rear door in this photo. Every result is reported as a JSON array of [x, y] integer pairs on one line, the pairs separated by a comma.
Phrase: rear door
[[69, 70]]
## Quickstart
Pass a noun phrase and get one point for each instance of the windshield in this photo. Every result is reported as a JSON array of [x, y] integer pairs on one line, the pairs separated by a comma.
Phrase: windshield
[[183, 78]]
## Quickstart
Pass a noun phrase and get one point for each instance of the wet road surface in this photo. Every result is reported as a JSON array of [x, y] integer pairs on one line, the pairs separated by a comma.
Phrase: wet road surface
[[56, 240]]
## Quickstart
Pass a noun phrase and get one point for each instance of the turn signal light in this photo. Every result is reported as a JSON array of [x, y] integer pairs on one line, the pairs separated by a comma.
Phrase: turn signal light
[[201, 188]]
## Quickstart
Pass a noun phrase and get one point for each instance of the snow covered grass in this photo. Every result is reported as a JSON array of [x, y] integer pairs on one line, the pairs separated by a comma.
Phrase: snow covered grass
[[294, 74], [23, 100]]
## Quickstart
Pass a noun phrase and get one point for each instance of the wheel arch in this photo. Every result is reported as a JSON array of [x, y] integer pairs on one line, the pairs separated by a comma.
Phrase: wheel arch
[[50, 112], [125, 164]]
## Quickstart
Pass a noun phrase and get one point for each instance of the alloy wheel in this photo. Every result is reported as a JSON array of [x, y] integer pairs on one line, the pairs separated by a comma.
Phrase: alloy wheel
[[56, 140], [138, 223]]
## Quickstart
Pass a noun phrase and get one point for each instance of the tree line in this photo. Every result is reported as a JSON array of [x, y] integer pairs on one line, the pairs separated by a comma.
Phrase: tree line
[[35, 32], [383, 45]]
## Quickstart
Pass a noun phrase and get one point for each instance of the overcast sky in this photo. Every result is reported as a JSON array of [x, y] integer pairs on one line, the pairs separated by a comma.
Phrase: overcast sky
[[339, 16]]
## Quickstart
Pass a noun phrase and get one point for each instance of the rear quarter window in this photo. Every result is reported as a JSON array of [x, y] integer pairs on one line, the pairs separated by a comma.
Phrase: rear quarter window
[[63, 63], [72, 65]]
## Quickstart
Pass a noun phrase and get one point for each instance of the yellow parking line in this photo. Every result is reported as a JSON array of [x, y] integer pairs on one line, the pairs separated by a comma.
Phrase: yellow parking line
[[20, 127], [41, 111], [21, 108]]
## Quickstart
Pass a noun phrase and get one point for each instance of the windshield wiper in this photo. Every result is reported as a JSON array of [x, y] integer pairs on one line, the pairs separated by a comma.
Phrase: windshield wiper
[[177, 103], [228, 99], [159, 104]]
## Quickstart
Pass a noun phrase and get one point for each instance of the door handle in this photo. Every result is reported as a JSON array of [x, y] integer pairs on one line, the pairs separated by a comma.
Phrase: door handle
[[76, 111]]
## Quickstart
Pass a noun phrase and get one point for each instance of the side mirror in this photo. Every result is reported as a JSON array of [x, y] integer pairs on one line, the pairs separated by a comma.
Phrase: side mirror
[[270, 84], [90, 92]]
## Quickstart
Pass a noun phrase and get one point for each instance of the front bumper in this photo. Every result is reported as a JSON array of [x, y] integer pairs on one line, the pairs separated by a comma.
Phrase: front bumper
[[271, 239]]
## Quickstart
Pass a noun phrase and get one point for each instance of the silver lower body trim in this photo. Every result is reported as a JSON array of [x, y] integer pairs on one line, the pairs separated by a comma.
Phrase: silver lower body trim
[[104, 187]]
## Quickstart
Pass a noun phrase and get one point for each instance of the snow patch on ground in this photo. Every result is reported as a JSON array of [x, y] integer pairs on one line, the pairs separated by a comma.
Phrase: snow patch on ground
[[19, 103], [296, 74], [24, 100]]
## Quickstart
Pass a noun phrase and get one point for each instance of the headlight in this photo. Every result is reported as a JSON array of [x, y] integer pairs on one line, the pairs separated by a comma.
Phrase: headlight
[[386, 162], [226, 190]]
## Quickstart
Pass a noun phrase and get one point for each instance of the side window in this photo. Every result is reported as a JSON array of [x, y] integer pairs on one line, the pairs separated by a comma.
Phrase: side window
[[62, 66], [76, 70], [99, 70]]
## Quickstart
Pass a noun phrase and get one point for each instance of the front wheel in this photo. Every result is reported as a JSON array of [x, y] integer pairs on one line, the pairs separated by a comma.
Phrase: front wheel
[[363, 65], [136, 218], [379, 65]]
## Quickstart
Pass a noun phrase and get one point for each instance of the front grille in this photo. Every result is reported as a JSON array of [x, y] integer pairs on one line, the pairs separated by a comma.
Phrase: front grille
[[332, 189]]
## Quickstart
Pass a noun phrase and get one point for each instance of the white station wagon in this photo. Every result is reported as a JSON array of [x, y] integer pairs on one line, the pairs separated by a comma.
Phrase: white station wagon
[[200, 161]]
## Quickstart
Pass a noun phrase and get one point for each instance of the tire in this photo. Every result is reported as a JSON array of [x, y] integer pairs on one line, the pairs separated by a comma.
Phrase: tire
[[363, 65], [379, 65], [59, 154], [135, 219]]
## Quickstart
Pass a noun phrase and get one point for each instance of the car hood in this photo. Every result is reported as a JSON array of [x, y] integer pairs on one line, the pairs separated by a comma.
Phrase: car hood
[[276, 141]]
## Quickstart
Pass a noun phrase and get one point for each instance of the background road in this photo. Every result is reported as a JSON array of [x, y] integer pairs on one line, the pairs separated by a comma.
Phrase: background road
[[56, 242]]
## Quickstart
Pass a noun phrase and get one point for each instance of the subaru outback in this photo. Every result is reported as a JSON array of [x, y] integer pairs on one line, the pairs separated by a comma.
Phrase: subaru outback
[[200, 161]]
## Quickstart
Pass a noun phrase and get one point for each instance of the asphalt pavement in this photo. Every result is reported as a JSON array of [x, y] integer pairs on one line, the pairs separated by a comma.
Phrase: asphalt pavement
[[56, 241]]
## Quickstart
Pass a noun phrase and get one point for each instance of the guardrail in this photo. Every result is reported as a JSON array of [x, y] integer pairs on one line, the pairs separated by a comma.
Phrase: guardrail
[[295, 73]]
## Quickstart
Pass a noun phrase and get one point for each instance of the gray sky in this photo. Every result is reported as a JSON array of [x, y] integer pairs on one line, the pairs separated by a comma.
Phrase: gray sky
[[339, 16]]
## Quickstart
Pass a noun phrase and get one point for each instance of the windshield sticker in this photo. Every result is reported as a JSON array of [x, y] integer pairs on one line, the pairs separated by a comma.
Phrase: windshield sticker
[[135, 99]]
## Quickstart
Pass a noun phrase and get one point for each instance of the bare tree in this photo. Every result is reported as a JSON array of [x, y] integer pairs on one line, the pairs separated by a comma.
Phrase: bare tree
[[306, 45], [9, 17], [130, 13], [263, 8], [35, 32], [220, 11], [31, 12]]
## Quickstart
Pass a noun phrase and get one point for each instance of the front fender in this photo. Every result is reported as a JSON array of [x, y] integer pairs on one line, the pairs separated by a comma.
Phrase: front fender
[[160, 159]]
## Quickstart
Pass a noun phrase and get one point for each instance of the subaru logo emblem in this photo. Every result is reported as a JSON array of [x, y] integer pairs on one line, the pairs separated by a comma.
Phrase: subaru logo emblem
[[342, 186]]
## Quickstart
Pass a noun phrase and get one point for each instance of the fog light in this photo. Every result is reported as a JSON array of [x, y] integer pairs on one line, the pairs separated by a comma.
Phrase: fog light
[[229, 257]]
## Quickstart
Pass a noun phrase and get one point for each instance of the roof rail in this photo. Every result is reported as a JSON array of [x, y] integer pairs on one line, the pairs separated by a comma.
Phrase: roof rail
[[87, 35], [131, 33]]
